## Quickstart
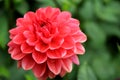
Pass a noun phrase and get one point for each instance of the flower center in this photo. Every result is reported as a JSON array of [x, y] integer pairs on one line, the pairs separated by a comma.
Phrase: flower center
[[42, 24]]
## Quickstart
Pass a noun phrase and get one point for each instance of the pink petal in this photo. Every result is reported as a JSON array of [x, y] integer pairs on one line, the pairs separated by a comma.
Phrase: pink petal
[[62, 73], [19, 64], [30, 16], [63, 16], [39, 70], [17, 54], [31, 41], [67, 64], [27, 62], [54, 66], [42, 47], [39, 57], [25, 48], [51, 75], [68, 42], [57, 53], [64, 30], [79, 49], [75, 59], [79, 37], [19, 39], [56, 42], [52, 13], [69, 53], [28, 34]]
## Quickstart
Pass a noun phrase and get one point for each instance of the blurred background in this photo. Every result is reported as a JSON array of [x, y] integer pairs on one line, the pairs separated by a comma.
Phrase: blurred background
[[100, 21]]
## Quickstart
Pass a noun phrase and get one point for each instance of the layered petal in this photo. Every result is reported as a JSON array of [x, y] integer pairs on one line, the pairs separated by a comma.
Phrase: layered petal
[[79, 49], [41, 46], [19, 39], [39, 57], [56, 42], [54, 65], [67, 64], [25, 48], [39, 69], [68, 42], [17, 54], [56, 54], [27, 62]]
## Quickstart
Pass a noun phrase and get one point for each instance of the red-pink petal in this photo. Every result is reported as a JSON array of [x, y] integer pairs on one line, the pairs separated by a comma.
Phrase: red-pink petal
[[17, 54], [28, 34], [39, 70], [27, 62], [79, 49], [56, 42], [75, 59], [42, 47], [25, 48], [39, 57], [67, 64], [63, 16], [57, 53], [79, 37], [68, 42], [64, 30], [69, 53], [31, 41], [54, 66], [30, 16], [51, 75], [62, 73], [19, 39]]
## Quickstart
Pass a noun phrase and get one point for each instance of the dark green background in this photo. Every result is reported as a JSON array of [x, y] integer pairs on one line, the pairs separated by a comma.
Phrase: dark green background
[[100, 21]]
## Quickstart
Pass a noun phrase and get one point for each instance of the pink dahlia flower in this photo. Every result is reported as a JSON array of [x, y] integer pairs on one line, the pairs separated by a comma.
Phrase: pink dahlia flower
[[47, 41]]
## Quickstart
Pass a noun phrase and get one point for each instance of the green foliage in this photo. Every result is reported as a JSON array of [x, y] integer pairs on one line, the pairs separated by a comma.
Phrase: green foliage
[[100, 21], [86, 73], [3, 30]]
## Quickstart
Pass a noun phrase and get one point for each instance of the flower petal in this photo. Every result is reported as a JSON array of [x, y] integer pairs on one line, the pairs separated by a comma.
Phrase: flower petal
[[30, 16], [57, 53], [25, 48], [19, 39], [79, 37], [69, 53], [67, 64], [39, 57], [51, 75], [75, 59], [17, 54], [68, 42], [39, 69], [54, 66], [42, 47], [56, 42], [79, 49], [64, 30], [63, 72], [27, 62]]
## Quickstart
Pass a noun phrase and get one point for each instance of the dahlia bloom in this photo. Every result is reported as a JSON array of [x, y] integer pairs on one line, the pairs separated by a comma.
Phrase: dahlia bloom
[[47, 42]]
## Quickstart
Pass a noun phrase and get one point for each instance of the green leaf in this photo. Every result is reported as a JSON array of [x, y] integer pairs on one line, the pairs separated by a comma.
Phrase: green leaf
[[22, 7], [3, 30], [103, 66], [87, 10], [95, 33], [30, 76], [105, 13], [4, 72], [86, 73]]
